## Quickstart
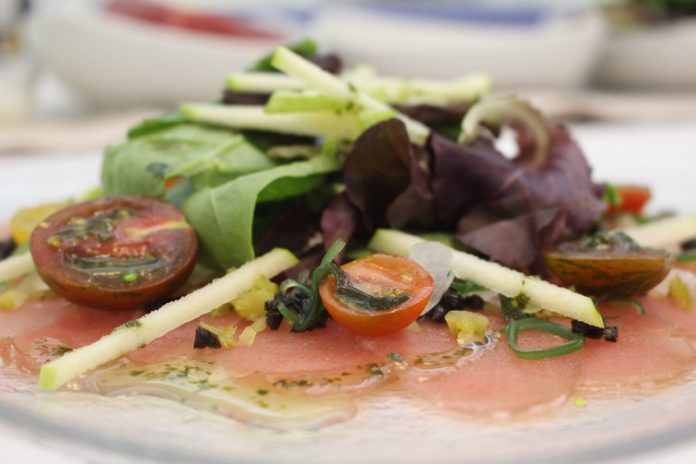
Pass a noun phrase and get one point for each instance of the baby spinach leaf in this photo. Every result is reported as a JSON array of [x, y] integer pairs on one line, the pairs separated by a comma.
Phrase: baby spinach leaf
[[305, 47], [206, 157], [150, 125], [223, 215]]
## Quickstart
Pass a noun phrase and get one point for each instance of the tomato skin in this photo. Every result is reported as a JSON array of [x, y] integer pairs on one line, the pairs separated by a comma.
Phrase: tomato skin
[[633, 199], [608, 264], [154, 231], [380, 271]]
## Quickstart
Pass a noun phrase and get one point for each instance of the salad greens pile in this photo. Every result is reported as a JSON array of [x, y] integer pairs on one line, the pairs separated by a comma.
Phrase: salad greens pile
[[306, 156]]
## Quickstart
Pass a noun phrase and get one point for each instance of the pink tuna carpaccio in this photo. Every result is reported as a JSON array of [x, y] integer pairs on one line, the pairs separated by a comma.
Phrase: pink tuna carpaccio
[[492, 381]]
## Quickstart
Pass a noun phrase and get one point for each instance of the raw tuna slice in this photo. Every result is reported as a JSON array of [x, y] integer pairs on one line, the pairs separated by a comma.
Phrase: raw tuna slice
[[425, 337], [500, 384], [273, 352], [647, 355], [683, 320], [43, 330], [31, 315]]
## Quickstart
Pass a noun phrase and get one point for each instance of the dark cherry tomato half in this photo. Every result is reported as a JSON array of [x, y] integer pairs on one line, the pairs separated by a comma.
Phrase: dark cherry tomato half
[[378, 275], [631, 198], [115, 253], [609, 267]]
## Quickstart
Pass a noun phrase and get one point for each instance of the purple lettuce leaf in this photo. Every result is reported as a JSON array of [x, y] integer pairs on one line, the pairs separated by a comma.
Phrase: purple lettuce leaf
[[433, 115], [339, 220], [466, 176], [377, 170], [515, 242]]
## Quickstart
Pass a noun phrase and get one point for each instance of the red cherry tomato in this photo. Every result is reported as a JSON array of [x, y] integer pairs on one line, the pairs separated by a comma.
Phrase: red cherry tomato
[[632, 199], [379, 275], [115, 253]]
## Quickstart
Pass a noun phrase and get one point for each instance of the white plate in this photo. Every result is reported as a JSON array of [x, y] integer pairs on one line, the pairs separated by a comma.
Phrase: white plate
[[116, 61], [387, 428]]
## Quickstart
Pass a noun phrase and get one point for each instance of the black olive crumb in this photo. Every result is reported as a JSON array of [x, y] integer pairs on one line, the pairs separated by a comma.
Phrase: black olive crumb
[[610, 334], [453, 300], [273, 316], [206, 339], [7, 246], [689, 245]]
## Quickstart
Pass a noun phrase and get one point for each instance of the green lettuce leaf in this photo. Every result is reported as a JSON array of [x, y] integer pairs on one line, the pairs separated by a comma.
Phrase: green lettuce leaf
[[206, 157], [223, 216]]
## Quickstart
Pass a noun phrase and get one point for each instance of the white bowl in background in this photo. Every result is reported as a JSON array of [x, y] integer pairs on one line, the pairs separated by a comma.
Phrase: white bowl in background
[[661, 57], [558, 51], [117, 61]]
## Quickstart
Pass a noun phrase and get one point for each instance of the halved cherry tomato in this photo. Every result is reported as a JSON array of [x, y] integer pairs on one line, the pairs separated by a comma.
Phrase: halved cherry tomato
[[379, 275], [632, 199], [115, 253], [609, 264]]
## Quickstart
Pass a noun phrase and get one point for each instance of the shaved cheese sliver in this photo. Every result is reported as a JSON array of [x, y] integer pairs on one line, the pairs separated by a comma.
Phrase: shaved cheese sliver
[[435, 258]]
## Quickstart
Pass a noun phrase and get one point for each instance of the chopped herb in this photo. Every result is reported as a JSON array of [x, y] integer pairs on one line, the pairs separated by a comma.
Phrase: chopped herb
[[132, 324], [608, 240], [396, 357], [511, 309], [158, 170], [687, 256], [309, 311], [574, 342], [135, 373], [130, 277], [464, 287], [579, 402], [59, 351], [261, 392], [292, 383], [611, 195], [374, 369]]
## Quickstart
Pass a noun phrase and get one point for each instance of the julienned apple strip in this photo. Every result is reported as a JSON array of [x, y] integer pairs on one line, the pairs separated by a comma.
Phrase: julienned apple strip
[[313, 124], [499, 279], [316, 78], [392, 90]]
